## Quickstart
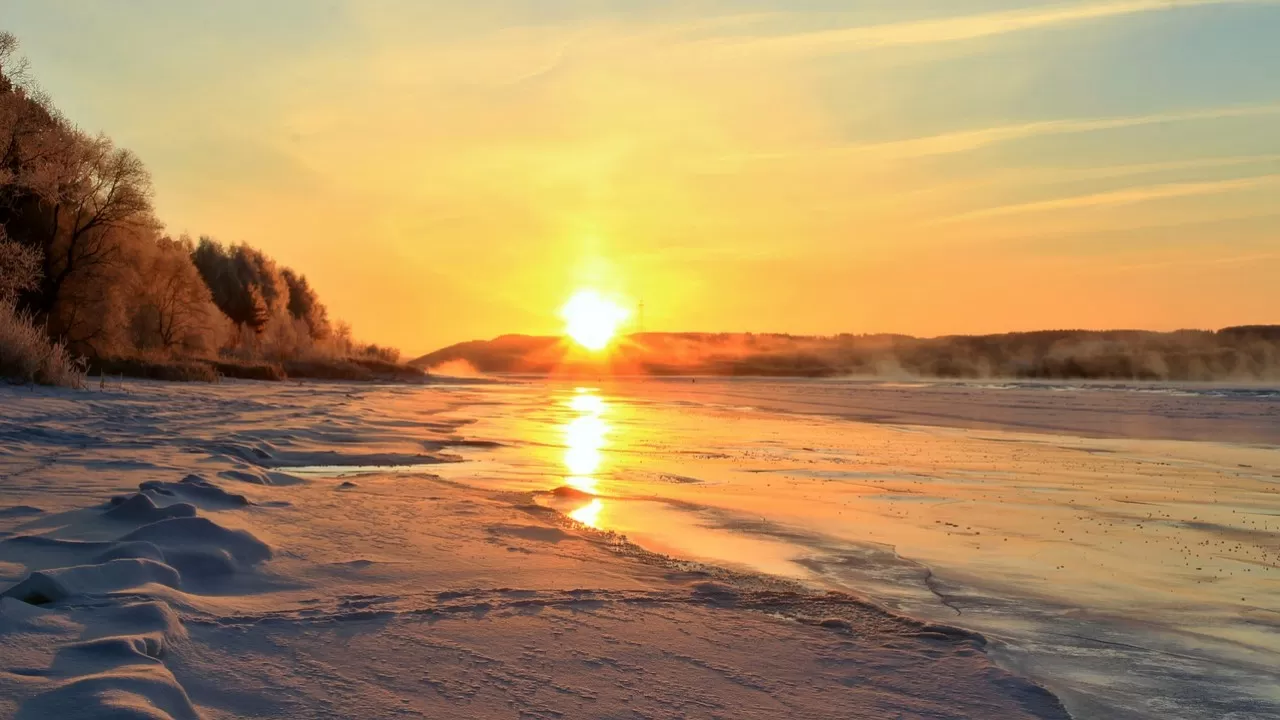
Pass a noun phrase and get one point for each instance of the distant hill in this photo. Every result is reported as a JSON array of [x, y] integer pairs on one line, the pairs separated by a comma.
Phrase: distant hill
[[1247, 353]]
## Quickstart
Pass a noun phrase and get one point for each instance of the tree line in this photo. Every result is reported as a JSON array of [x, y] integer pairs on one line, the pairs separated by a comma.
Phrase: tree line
[[84, 258]]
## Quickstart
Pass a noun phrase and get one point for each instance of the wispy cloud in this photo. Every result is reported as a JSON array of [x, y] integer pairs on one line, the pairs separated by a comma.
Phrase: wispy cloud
[[967, 140], [968, 27], [962, 141], [1105, 172], [1196, 262], [1128, 196]]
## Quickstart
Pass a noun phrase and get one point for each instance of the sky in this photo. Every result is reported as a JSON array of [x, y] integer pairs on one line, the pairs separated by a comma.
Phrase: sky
[[445, 171]]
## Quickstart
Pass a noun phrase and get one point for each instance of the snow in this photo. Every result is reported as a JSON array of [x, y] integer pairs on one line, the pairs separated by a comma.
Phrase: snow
[[332, 550], [735, 548]]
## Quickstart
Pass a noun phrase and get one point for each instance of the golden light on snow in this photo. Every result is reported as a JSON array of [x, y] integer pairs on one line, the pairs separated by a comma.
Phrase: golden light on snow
[[592, 320]]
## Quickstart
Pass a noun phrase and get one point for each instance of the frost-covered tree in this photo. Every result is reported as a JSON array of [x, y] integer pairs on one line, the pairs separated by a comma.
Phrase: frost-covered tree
[[19, 269], [175, 310]]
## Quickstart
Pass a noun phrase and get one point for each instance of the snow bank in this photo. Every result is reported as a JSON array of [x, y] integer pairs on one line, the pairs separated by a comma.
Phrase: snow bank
[[116, 666]]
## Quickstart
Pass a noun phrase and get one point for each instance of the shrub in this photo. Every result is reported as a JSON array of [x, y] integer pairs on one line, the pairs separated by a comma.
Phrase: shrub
[[19, 268], [28, 356], [249, 370], [351, 369]]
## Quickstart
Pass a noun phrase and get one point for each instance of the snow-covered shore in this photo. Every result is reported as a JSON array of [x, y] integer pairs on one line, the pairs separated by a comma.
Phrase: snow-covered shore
[[158, 559]]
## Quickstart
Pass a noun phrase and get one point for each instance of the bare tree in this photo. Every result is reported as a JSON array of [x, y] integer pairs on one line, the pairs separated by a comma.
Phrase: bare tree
[[177, 310], [104, 189], [11, 66]]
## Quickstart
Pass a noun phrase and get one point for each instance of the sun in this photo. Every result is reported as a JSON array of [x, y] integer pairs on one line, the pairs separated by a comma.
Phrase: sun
[[591, 319]]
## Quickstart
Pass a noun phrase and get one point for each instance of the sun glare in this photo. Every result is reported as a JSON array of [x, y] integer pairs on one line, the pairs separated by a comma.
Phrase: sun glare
[[591, 319]]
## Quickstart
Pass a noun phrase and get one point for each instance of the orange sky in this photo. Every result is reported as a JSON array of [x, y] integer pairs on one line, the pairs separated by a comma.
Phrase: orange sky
[[444, 173]]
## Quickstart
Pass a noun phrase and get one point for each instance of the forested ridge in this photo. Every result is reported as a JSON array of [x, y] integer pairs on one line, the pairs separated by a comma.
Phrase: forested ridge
[[90, 279], [1235, 354]]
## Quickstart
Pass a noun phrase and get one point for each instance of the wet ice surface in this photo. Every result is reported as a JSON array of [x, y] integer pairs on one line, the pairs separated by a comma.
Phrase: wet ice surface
[[1125, 554]]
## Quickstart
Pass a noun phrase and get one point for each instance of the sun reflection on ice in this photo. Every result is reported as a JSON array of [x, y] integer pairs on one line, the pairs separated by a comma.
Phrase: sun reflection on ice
[[583, 483], [585, 402], [589, 514], [585, 436]]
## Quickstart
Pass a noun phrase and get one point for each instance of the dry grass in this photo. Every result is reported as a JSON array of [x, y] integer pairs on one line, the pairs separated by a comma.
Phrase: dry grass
[[177, 369], [27, 355], [159, 368]]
